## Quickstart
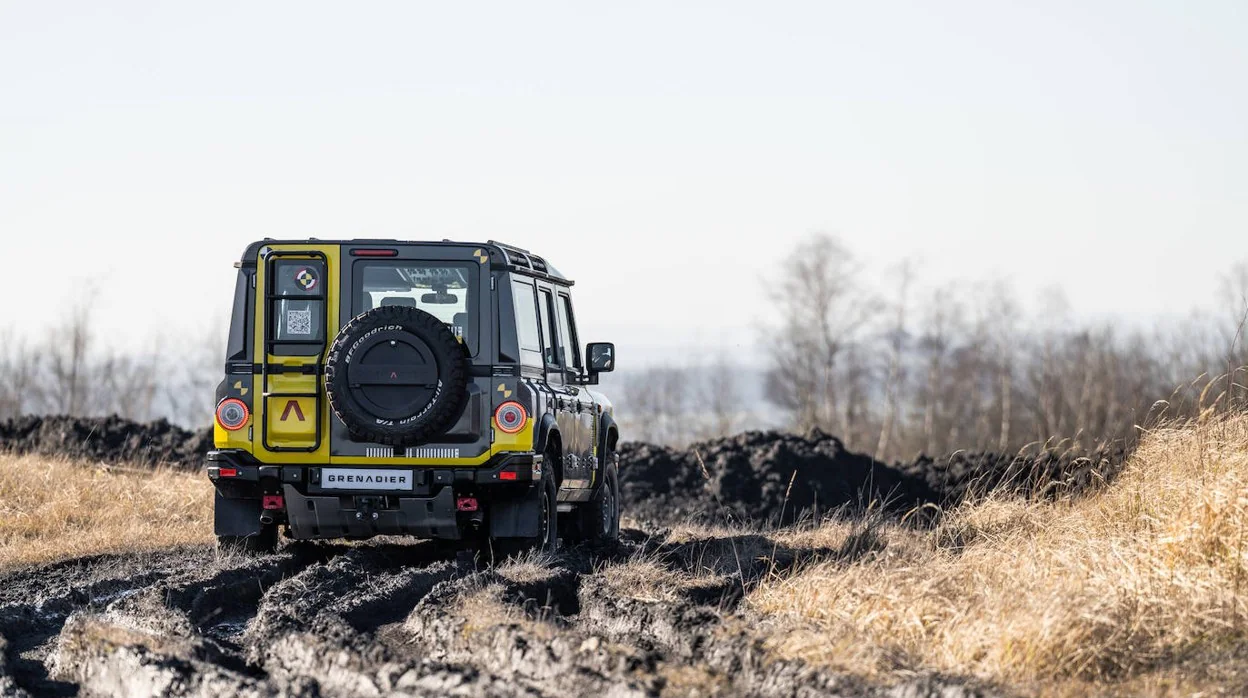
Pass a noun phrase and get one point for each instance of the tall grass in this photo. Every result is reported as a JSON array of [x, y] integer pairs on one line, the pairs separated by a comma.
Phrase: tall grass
[[1147, 579], [54, 509]]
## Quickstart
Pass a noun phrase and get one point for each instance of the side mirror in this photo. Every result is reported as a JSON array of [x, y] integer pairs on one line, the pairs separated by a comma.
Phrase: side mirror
[[601, 357]]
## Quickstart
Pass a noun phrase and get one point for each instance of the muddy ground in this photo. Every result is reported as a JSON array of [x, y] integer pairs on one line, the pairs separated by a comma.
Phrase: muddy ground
[[402, 618], [409, 618]]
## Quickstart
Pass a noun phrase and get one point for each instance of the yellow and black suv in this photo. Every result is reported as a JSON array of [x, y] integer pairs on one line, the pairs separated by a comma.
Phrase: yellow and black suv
[[432, 389]]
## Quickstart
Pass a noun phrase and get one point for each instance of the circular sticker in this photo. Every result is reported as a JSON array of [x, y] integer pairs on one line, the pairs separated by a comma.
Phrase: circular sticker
[[306, 278]]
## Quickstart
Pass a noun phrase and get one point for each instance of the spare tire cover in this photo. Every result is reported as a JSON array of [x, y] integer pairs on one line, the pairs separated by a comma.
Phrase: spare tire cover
[[396, 375]]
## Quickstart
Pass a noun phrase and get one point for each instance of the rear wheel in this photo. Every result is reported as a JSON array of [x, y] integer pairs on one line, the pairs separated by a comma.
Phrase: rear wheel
[[600, 516], [263, 542], [547, 538]]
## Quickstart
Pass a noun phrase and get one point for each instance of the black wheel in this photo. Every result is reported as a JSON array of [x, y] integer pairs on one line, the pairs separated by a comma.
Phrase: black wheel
[[263, 542], [396, 375], [600, 516], [547, 538]]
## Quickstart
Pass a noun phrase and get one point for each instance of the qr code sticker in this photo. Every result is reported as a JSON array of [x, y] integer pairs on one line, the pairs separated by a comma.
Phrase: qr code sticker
[[299, 321]]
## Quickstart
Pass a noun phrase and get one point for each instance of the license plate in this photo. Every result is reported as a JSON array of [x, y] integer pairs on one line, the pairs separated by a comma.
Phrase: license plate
[[365, 479]]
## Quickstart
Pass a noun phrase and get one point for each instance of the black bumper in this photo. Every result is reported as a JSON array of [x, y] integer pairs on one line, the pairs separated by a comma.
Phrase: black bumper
[[427, 509], [333, 516]]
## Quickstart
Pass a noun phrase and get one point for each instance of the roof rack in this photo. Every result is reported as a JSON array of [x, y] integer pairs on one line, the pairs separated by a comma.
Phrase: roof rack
[[523, 259]]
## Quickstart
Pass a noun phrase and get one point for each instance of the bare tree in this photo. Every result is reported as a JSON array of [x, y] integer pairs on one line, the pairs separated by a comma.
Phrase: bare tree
[[67, 351], [821, 309], [19, 377], [897, 344], [720, 399]]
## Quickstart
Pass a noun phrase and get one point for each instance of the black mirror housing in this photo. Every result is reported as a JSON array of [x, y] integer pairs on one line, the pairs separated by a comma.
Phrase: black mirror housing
[[601, 357]]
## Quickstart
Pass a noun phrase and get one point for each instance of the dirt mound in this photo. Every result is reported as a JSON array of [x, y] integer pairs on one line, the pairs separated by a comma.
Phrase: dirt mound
[[752, 477], [774, 477], [397, 619], [109, 439]]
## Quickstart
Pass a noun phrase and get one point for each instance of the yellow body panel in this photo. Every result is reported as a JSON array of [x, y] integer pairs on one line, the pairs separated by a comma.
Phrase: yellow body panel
[[292, 432]]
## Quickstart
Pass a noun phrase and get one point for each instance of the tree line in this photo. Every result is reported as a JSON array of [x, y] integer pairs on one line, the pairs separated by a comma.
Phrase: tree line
[[893, 366], [897, 369]]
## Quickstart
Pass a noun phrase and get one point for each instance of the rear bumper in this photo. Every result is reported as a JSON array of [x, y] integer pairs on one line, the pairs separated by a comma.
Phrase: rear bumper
[[227, 468], [333, 516], [427, 508]]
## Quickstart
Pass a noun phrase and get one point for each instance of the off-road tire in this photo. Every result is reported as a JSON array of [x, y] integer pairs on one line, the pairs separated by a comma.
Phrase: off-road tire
[[410, 334], [262, 543], [547, 538], [600, 517]]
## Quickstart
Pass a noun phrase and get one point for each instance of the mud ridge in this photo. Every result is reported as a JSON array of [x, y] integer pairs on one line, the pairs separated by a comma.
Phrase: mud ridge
[[401, 618]]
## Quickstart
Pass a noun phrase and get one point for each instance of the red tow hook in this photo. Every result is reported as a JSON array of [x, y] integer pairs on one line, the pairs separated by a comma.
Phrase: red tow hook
[[466, 504], [274, 501]]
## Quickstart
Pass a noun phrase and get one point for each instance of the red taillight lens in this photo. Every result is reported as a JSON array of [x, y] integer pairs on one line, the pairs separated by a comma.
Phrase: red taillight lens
[[232, 414], [228, 472], [373, 252], [510, 417]]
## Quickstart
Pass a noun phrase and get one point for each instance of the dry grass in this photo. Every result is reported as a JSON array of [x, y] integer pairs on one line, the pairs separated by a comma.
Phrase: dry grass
[[1143, 588], [53, 509]]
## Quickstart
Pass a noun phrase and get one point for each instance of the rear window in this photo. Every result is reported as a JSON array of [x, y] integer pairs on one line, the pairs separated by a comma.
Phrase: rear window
[[445, 290]]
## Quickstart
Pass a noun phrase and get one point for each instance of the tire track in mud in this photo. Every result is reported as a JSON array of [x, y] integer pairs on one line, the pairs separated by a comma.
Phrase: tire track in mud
[[385, 618]]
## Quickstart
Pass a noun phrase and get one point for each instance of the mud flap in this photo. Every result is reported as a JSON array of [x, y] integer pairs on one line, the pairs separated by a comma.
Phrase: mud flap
[[516, 517], [236, 517]]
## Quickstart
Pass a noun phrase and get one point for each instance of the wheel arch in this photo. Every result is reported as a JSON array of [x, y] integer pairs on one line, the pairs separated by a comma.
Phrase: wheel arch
[[548, 434]]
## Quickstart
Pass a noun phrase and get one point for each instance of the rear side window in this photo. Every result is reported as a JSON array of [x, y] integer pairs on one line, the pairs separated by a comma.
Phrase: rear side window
[[526, 323], [236, 348]]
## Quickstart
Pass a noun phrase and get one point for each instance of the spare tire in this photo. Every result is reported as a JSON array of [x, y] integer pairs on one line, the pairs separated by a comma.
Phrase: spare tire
[[396, 375]]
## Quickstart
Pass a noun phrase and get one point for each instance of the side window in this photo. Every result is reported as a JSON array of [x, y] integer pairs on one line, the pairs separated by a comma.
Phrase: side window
[[236, 347], [549, 341], [297, 314], [567, 333], [526, 323]]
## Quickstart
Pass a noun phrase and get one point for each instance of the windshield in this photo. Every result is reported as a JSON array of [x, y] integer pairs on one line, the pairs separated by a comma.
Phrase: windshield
[[445, 290]]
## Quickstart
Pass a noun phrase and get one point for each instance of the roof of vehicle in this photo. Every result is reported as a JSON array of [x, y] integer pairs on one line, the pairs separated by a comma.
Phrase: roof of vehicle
[[501, 254]]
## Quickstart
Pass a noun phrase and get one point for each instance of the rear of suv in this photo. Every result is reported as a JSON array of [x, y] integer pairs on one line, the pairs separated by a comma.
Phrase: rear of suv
[[430, 389]]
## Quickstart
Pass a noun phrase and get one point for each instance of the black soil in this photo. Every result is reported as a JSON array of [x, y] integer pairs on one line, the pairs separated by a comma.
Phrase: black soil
[[109, 439], [774, 477], [755, 477]]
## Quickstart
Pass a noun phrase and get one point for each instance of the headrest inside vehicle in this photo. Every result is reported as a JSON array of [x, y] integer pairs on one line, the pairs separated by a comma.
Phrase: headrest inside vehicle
[[406, 301]]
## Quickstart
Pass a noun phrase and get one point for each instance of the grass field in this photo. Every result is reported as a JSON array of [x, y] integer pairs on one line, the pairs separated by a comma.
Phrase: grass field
[[1143, 587], [54, 509]]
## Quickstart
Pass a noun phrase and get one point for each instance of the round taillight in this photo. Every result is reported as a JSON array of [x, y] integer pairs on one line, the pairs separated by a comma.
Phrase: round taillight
[[510, 417], [232, 414]]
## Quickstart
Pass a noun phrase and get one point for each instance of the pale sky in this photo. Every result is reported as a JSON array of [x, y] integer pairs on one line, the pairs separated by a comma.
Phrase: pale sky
[[665, 155]]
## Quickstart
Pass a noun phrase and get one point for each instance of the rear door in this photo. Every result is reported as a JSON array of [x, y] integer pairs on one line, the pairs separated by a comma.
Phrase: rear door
[[586, 411], [296, 316], [574, 471]]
